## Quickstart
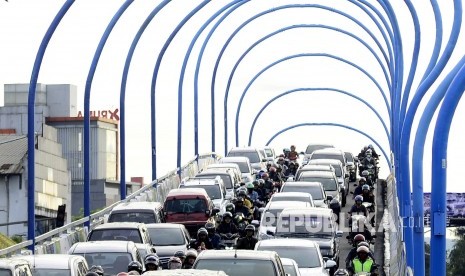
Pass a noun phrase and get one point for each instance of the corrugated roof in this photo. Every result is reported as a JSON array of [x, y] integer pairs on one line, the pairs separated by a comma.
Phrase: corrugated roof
[[13, 149]]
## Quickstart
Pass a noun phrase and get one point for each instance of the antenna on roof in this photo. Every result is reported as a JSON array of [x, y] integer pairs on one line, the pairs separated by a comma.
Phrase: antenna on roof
[[235, 253]]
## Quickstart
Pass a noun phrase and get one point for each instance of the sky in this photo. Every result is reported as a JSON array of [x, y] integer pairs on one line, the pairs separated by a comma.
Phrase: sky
[[70, 52]]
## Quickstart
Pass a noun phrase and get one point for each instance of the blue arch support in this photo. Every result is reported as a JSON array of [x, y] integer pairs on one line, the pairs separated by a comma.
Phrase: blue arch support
[[90, 77], [312, 89], [298, 56], [439, 173], [154, 86], [31, 137], [215, 70], [331, 125], [124, 78]]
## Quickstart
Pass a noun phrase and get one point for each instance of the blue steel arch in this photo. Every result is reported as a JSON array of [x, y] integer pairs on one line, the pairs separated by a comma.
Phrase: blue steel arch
[[124, 78], [298, 56], [31, 120], [154, 85], [90, 77], [439, 172], [215, 70], [312, 89], [331, 124]]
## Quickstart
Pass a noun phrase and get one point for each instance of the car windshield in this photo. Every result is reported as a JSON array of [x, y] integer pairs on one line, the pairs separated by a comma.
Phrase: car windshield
[[329, 184], [270, 217], [112, 262], [213, 191], [238, 267], [305, 257], [304, 226], [291, 198], [123, 234], [5, 272], [290, 270], [166, 236], [311, 148], [191, 205], [328, 156], [315, 191], [132, 216], [269, 153], [243, 166], [51, 272], [337, 170], [225, 177], [349, 157], [252, 155]]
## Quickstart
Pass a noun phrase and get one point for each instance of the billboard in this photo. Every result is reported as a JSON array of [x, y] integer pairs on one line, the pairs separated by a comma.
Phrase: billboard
[[455, 204]]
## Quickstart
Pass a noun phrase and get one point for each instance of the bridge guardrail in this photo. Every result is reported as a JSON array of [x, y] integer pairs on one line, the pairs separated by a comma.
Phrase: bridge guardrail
[[61, 239]]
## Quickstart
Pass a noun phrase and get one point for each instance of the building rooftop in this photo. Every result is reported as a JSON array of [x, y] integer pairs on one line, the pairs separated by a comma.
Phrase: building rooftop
[[13, 150]]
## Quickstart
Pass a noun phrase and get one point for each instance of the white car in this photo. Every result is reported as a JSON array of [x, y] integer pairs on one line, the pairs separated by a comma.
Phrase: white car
[[56, 264], [293, 196], [270, 214], [290, 267], [257, 160], [214, 188], [15, 267], [247, 172], [305, 253]]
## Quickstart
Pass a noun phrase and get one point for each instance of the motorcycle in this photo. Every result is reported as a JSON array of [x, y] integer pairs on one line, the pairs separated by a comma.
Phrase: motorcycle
[[241, 222], [369, 206], [228, 241]]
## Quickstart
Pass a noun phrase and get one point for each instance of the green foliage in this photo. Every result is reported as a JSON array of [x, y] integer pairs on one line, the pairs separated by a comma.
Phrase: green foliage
[[5, 242], [427, 255], [17, 239], [456, 260], [81, 214]]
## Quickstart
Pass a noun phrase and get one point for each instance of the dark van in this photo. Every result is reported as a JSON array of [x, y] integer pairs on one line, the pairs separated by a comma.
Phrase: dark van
[[190, 207]]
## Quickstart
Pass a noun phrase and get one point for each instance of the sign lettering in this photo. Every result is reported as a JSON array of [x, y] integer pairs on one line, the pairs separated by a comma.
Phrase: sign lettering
[[108, 114]]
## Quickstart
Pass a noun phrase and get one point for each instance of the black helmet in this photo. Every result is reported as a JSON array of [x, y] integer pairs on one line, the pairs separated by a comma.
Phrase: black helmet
[[250, 227], [202, 231], [135, 266], [242, 193], [97, 269], [341, 272], [152, 259], [240, 199], [210, 227], [230, 208], [180, 254], [227, 215]]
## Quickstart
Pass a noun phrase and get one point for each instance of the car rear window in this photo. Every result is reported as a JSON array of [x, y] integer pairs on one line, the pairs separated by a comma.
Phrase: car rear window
[[213, 191], [191, 205], [329, 184], [252, 155], [305, 257], [349, 157], [311, 148], [166, 236], [112, 262], [132, 216], [225, 177], [313, 190], [51, 272], [238, 267], [328, 156], [122, 234], [290, 198], [5, 272]]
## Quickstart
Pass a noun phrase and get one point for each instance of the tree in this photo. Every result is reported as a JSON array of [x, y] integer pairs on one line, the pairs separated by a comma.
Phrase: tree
[[456, 260], [427, 256]]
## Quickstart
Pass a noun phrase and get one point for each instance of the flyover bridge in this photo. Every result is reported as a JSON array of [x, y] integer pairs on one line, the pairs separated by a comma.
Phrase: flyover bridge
[[390, 33]]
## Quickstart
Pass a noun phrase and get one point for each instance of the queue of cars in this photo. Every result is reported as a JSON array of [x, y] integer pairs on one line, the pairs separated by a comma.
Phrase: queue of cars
[[313, 197]]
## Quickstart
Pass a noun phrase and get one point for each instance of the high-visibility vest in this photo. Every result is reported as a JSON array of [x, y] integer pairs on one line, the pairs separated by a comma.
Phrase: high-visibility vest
[[362, 267]]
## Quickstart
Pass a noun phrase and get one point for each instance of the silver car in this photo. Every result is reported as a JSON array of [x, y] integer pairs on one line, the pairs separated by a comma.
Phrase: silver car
[[15, 267], [56, 264]]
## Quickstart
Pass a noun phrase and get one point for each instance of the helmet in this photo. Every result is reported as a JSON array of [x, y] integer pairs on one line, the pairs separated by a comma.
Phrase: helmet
[[202, 231], [272, 169], [250, 227], [365, 173], [265, 175], [174, 263], [230, 208], [152, 259], [227, 215], [363, 249], [255, 182], [250, 185], [239, 199], [191, 253], [242, 193], [261, 181], [97, 269], [210, 227], [370, 146], [363, 244], [341, 272], [281, 159], [180, 254], [135, 265], [358, 198], [91, 273], [362, 179], [365, 187], [359, 238], [286, 150]]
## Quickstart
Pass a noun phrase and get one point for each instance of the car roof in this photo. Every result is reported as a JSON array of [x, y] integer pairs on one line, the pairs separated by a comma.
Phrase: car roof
[[321, 174], [291, 194], [287, 243], [302, 183], [190, 192], [244, 149], [101, 246], [237, 254], [119, 225], [214, 171], [230, 159], [324, 162], [57, 261], [322, 167], [11, 263], [329, 150], [307, 211], [223, 165], [285, 204], [137, 205], [164, 225]]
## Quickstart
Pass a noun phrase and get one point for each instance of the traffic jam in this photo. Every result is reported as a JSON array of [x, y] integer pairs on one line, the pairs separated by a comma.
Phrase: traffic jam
[[254, 212]]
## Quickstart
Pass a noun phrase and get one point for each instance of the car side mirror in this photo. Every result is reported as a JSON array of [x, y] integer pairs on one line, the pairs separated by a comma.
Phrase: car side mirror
[[236, 186], [153, 249], [264, 160], [329, 197], [339, 233], [302, 152], [330, 264], [351, 192], [346, 175], [269, 233], [207, 212], [355, 185]]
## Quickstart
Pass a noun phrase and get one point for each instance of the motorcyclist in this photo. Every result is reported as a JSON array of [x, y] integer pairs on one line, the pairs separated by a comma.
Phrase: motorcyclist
[[191, 256], [247, 201], [174, 263], [366, 175], [214, 238], [227, 226], [230, 208], [359, 190], [368, 160], [202, 242], [97, 269], [358, 239], [368, 195], [286, 152], [241, 208], [135, 266], [181, 255], [292, 169], [268, 184], [361, 155], [247, 242], [151, 262], [358, 207], [251, 193], [258, 187], [373, 152], [293, 154], [362, 263]]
